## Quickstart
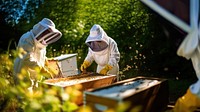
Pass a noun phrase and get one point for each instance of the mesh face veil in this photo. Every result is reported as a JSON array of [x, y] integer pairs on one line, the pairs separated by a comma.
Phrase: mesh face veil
[[48, 36], [97, 40], [97, 45]]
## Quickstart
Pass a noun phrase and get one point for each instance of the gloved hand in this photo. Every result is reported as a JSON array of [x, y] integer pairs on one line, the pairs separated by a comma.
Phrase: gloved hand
[[52, 67], [46, 73], [187, 103], [49, 60], [85, 65], [106, 69], [46, 62]]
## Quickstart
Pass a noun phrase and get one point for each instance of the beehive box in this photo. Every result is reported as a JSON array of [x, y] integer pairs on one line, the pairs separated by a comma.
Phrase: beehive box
[[87, 80], [149, 93], [67, 64]]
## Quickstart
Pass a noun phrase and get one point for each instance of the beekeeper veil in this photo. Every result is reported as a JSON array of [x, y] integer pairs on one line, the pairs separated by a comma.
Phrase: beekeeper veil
[[45, 32], [98, 39]]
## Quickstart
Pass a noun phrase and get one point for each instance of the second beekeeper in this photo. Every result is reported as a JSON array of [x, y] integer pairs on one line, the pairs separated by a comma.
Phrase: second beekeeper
[[103, 50]]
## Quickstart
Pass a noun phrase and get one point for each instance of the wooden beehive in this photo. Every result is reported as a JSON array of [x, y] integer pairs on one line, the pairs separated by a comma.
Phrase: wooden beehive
[[88, 80], [152, 96]]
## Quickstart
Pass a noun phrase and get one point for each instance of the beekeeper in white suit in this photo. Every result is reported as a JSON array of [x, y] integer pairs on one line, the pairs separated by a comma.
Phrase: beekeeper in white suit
[[103, 50], [190, 49], [34, 43]]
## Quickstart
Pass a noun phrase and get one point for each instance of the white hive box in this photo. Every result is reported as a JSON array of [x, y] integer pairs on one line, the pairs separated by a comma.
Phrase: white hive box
[[67, 64]]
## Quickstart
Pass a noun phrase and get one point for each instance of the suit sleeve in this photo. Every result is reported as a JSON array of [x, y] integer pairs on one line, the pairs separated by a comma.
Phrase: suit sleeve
[[114, 54], [89, 56]]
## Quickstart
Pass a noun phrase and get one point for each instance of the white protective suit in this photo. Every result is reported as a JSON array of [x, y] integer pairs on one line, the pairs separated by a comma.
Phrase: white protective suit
[[190, 49], [108, 56], [34, 42]]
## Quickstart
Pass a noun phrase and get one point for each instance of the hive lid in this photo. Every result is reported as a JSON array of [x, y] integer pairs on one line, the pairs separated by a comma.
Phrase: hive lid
[[65, 56], [126, 88]]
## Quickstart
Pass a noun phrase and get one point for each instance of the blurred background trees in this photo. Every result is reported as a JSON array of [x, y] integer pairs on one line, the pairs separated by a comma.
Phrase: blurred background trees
[[147, 42]]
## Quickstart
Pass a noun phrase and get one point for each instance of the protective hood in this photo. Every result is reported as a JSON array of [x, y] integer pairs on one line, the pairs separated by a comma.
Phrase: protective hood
[[98, 39], [97, 34], [45, 32]]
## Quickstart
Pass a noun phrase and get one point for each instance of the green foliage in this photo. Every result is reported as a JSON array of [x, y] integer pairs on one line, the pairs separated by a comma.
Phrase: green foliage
[[16, 11], [6, 81], [120, 19], [18, 97], [44, 98], [141, 40], [140, 35]]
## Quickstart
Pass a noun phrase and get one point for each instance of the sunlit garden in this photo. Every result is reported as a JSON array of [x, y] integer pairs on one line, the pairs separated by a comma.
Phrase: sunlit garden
[[147, 44]]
